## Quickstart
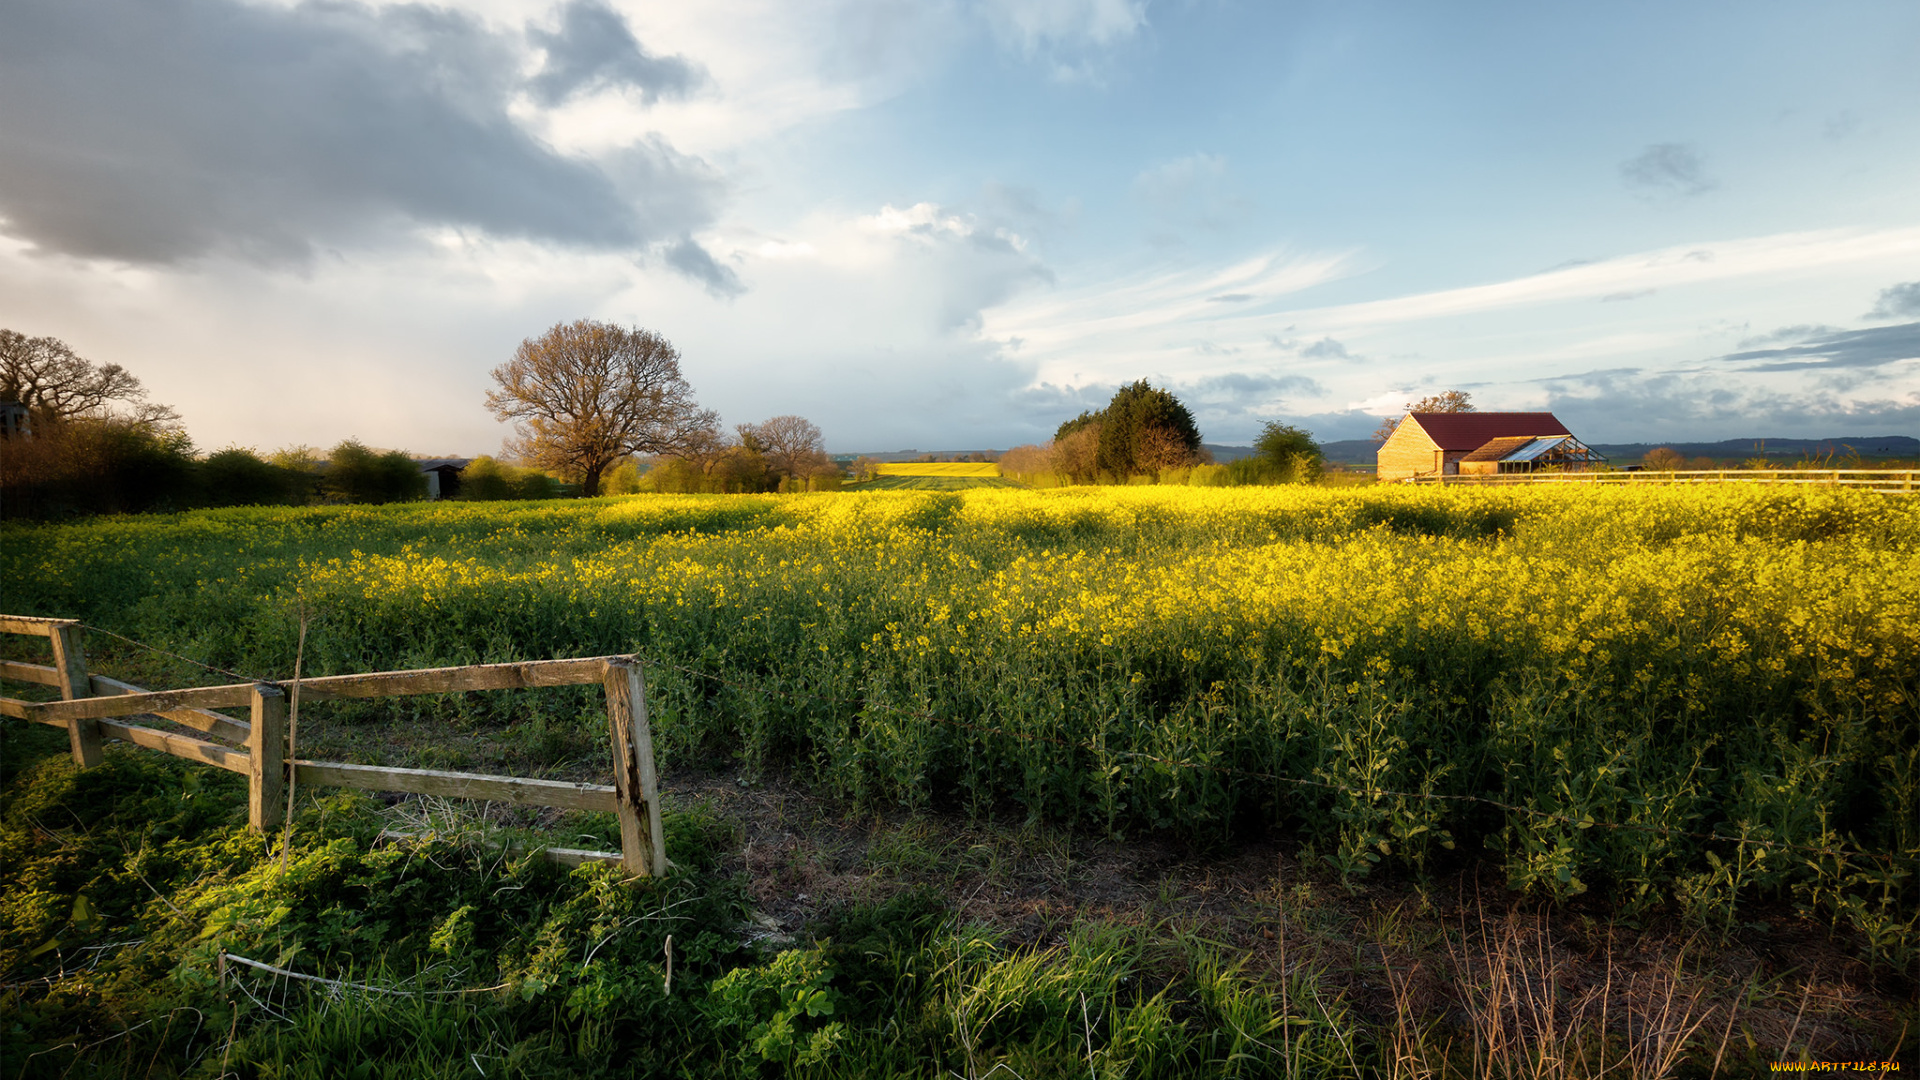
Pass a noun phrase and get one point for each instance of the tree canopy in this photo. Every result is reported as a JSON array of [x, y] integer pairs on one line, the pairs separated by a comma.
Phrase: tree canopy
[[586, 395], [1444, 401], [792, 446], [58, 386], [1143, 429], [1288, 453]]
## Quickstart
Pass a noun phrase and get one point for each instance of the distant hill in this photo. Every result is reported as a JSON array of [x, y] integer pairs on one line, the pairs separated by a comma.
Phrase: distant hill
[[1351, 451], [1866, 446], [1224, 454], [1362, 451]]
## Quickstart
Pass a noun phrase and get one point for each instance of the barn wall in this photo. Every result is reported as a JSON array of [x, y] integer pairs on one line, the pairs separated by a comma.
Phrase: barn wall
[[1408, 452]]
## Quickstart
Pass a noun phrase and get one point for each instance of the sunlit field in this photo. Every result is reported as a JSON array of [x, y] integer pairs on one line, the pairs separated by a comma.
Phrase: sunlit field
[[1729, 663], [1663, 703], [939, 468]]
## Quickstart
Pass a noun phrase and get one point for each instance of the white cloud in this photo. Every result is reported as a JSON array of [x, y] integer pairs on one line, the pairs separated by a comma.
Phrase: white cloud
[[1038, 25], [923, 221], [1794, 254], [1501, 337], [1102, 330]]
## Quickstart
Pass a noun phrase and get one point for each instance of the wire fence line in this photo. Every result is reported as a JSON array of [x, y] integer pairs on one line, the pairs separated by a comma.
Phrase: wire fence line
[[167, 652], [1888, 859]]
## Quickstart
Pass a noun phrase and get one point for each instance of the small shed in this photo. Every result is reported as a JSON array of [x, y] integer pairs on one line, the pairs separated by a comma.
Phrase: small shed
[[16, 420], [443, 476], [1434, 443], [1525, 454]]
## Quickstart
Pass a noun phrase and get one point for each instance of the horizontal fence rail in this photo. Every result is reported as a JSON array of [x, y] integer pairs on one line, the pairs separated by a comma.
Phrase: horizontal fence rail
[[518, 791], [94, 707], [1886, 481]]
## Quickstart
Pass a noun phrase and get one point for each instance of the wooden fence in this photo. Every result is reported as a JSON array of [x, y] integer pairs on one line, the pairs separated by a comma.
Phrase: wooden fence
[[94, 708], [1888, 481]]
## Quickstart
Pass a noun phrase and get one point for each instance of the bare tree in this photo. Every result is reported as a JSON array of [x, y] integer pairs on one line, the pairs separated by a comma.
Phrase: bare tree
[[1076, 454], [791, 445], [58, 386], [1159, 447], [1028, 460], [1664, 459], [1445, 401], [585, 395]]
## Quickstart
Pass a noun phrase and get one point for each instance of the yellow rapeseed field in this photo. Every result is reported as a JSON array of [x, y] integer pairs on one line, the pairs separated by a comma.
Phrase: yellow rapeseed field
[[1677, 696], [939, 468]]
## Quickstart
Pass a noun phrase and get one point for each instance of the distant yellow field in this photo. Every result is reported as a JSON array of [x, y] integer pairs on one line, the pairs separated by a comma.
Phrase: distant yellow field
[[939, 468]]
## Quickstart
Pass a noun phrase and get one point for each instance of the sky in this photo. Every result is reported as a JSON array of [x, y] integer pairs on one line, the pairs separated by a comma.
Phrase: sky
[[940, 224]]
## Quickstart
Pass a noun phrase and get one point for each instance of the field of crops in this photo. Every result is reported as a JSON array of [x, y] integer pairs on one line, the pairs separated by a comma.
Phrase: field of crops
[[939, 468], [936, 476], [1674, 699]]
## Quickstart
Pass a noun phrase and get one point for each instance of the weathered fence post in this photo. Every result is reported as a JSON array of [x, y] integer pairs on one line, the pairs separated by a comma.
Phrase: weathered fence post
[[267, 760], [83, 736], [643, 840]]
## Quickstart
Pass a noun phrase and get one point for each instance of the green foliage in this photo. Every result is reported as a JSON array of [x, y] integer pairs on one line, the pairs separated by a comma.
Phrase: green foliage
[[1665, 698], [90, 466], [359, 475], [625, 479], [487, 480], [1289, 453], [237, 476], [1084, 420], [1144, 429], [779, 1012]]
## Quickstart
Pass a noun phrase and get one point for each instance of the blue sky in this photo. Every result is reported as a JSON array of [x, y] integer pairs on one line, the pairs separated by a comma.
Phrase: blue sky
[[954, 224]]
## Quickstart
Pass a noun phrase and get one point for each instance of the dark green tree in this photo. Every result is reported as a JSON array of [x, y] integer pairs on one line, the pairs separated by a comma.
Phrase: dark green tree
[[1145, 429], [1288, 453], [1084, 420]]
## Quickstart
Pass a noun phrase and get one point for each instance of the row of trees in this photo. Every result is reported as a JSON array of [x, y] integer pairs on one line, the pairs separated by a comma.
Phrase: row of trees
[[83, 438], [109, 467], [1146, 432], [785, 453]]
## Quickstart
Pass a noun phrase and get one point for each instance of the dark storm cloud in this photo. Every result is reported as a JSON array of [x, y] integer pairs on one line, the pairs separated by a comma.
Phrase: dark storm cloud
[[1838, 349], [697, 263], [152, 131], [1243, 385], [1672, 168], [1630, 405], [593, 50], [1897, 301]]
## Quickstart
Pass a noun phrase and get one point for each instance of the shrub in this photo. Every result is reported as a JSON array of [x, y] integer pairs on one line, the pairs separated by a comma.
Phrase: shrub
[[237, 476], [357, 474]]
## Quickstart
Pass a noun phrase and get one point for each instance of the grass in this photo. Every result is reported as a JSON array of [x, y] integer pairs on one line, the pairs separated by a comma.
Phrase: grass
[[810, 943], [1444, 747]]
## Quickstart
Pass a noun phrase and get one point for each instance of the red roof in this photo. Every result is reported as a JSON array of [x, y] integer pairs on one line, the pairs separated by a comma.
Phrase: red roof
[[1472, 430]]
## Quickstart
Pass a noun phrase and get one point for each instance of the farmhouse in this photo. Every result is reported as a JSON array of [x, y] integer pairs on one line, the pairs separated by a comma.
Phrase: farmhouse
[[1449, 444]]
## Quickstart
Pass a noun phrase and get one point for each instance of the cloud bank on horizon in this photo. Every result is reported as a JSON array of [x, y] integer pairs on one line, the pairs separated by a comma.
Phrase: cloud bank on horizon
[[956, 224]]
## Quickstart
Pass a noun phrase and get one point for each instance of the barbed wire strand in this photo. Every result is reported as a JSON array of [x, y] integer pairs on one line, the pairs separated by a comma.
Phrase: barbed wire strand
[[168, 652]]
